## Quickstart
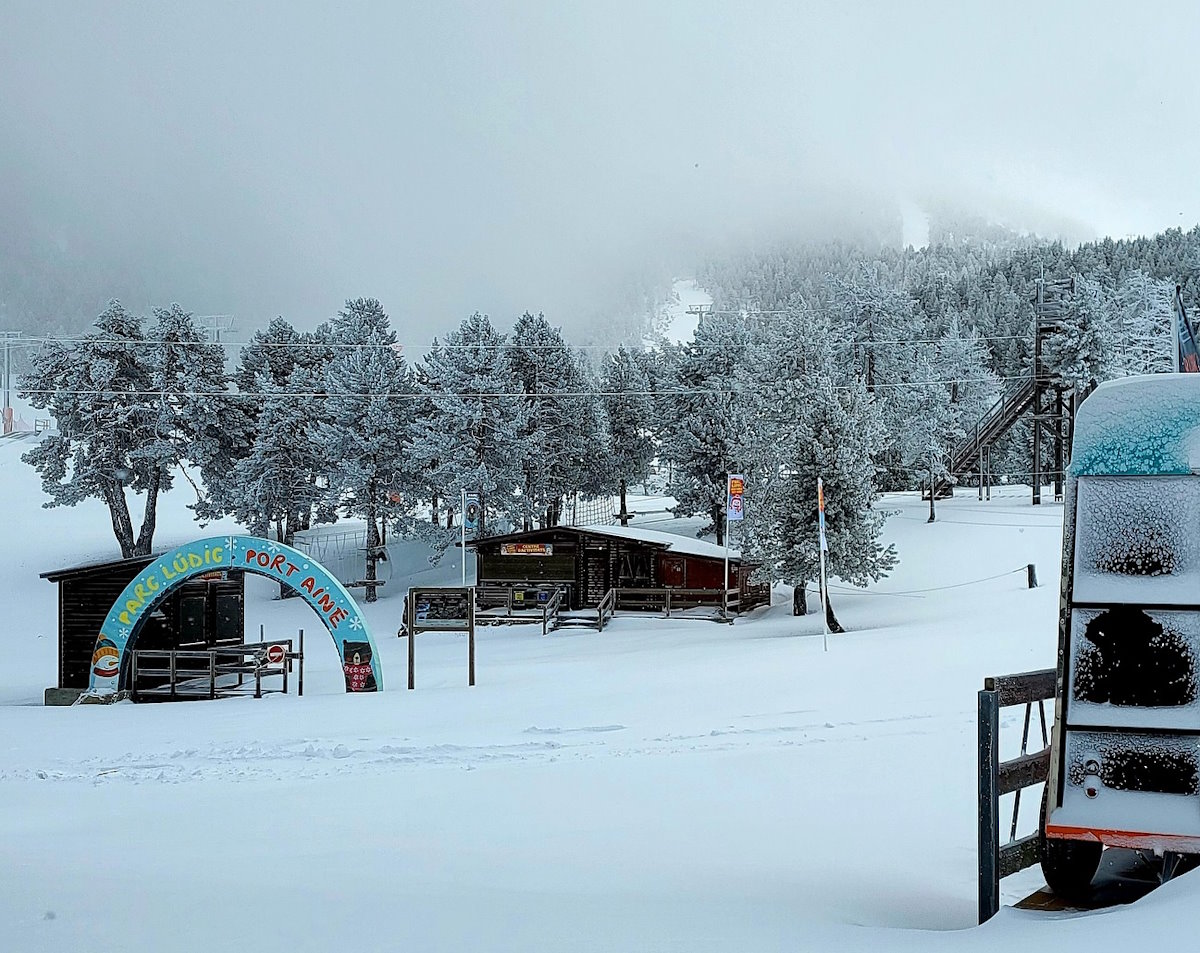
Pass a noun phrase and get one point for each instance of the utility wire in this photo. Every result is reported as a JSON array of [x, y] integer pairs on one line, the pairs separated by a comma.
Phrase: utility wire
[[435, 394], [399, 346]]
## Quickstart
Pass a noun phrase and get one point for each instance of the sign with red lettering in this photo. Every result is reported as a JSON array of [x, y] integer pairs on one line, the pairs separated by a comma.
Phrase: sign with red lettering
[[526, 549]]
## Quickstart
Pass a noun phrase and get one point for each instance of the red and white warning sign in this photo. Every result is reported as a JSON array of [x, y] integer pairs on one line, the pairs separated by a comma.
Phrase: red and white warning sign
[[275, 654]]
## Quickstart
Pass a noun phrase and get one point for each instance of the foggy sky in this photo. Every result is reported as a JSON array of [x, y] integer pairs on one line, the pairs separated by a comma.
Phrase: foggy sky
[[449, 157]]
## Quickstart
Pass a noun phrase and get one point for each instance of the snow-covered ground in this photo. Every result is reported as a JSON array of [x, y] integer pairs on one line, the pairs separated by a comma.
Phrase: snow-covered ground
[[665, 785]]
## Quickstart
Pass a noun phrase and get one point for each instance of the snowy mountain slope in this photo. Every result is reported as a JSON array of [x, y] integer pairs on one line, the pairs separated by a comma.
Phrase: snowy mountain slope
[[665, 785]]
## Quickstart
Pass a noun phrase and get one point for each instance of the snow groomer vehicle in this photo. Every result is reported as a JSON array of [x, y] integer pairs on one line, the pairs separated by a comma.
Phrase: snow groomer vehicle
[[1125, 749]]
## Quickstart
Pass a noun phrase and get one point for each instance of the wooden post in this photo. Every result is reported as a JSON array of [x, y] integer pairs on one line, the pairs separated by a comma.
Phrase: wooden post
[[212, 675], [172, 670], [133, 675], [412, 638], [257, 681], [669, 602], [286, 663], [989, 805], [471, 636], [300, 680], [1031, 575]]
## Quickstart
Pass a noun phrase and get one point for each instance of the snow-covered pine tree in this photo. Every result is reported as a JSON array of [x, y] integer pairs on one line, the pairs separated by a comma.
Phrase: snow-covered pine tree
[[275, 351], [950, 389], [1145, 314], [629, 410], [1086, 349], [128, 410], [702, 433], [802, 419], [198, 421], [366, 421], [471, 437], [563, 426], [272, 485]]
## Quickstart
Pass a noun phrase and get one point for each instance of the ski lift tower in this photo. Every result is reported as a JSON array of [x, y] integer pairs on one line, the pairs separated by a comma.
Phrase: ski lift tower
[[215, 325], [1051, 406]]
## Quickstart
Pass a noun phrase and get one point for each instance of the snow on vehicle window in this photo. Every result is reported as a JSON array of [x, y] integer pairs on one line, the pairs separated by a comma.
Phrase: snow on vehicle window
[[1136, 540]]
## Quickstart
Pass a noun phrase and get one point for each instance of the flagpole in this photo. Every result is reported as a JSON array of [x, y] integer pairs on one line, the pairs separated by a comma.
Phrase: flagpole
[[822, 546], [725, 578], [462, 525]]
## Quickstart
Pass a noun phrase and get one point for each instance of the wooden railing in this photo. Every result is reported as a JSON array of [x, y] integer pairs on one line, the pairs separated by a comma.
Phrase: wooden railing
[[550, 611], [606, 609], [997, 778], [197, 676], [676, 600]]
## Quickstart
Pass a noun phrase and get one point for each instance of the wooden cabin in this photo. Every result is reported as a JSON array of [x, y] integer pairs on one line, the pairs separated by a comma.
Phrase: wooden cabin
[[586, 561], [205, 611]]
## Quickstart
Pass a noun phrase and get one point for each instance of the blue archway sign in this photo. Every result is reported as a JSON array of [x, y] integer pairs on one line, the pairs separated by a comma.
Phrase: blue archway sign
[[327, 597]]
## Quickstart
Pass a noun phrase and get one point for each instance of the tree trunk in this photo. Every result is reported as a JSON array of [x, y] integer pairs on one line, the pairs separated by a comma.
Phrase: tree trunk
[[372, 542], [433, 512], [279, 534], [830, 618], [527, 517], [718, 518], [624, 509], [145, 541], [800, 599], [122, 525]]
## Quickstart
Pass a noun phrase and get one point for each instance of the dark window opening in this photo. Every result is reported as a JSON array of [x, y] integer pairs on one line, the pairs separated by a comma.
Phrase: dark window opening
[[1127, 658]]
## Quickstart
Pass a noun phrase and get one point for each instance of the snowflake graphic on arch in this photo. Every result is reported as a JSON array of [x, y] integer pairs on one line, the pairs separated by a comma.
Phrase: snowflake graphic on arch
[[356, 623], [231, 544], [123, 633], [273, 548]]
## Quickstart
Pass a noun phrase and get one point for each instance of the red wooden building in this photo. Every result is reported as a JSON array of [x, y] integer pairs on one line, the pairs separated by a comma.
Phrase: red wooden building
[[587, 561]]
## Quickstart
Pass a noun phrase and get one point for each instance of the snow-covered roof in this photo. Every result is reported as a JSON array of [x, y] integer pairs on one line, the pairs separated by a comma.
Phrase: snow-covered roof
[[680, 544], [1139, 425]]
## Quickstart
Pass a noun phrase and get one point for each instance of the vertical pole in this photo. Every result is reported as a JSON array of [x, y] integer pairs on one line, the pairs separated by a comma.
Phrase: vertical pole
[[471, 637], [412, 638], [932, 487], [6, 425], [989, 805], [1058, 445], [172, 669], [300, 679], [286, 663], [981, 474], [212, 675], [462, 534], [821, 546], [1037, 396], [725, 576]]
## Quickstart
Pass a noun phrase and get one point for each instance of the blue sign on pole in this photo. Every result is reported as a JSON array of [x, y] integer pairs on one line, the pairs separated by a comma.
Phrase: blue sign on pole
[[471, 512]]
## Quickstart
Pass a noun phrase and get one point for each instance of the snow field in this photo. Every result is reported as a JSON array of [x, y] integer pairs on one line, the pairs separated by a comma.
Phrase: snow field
[[664, 785]]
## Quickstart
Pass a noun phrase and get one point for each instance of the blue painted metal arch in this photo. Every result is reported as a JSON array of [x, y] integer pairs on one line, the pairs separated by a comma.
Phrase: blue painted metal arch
[[326, 596]]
